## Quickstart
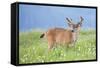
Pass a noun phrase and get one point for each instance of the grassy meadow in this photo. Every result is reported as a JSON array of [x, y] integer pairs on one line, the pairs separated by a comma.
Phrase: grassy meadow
[[33, 49]]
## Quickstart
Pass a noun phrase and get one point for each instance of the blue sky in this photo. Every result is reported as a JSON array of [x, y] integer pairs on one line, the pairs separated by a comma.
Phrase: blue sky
[[45, 17]]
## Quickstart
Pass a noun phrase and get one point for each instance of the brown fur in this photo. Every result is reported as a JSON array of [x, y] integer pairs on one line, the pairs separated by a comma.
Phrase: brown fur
[[62, 36], [58, 35]]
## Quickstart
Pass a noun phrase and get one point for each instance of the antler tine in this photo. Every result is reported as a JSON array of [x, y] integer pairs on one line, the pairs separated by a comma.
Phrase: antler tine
[[69, 20], [81, 19]]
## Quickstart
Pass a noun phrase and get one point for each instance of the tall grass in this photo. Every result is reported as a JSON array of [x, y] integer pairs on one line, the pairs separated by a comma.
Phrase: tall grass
[[33, 49]]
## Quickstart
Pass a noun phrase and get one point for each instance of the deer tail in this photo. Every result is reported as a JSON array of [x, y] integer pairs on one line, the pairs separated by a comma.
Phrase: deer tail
[[42, 35]]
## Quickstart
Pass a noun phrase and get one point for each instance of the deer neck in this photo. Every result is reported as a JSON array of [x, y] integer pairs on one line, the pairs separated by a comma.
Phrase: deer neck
[[74, 35]]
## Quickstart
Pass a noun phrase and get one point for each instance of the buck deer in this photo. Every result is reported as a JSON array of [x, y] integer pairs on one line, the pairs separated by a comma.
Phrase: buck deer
[[63, 36]]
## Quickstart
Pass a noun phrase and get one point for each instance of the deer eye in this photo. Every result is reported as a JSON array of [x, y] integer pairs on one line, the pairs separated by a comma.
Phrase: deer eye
[[79, 24]]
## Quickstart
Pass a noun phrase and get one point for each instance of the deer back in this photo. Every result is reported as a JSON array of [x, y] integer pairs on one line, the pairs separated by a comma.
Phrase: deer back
[[59, 35]]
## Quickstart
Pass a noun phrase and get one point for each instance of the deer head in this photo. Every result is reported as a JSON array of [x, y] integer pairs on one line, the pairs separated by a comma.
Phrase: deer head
[[73, 26]]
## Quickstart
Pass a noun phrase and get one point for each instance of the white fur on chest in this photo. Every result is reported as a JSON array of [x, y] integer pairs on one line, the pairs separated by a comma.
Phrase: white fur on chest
[[74, 36]]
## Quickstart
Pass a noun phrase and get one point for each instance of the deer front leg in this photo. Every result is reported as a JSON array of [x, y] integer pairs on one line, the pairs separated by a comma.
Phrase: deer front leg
[[72, 44], [74, 38]]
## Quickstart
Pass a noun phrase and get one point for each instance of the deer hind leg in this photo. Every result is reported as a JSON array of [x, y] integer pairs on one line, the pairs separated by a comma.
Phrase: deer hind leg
[[50, 43]]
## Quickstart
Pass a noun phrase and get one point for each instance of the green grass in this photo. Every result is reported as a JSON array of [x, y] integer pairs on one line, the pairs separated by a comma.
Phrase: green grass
[[33, 49]]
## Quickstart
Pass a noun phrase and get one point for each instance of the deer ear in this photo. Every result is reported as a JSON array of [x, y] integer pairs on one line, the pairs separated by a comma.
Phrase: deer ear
[[79, 24]]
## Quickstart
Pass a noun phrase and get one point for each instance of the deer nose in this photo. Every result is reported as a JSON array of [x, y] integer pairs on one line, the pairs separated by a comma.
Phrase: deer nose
[[73, 31]]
